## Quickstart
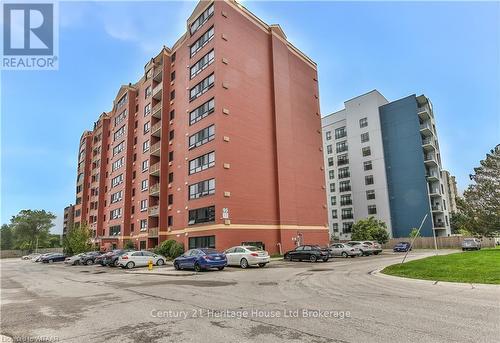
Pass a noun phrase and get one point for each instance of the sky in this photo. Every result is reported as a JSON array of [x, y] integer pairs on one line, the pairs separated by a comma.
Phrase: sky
[[449, 51]]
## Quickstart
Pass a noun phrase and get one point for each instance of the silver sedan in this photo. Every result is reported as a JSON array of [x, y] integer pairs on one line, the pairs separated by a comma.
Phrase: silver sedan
[[245, 256], [343, 250]]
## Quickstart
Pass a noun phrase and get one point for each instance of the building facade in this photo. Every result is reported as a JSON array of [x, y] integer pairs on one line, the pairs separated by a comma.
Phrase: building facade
[[69, 218], [205, 148], [450, 184], [382, 159]]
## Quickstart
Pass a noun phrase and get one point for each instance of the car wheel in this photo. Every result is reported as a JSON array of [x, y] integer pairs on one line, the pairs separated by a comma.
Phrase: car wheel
[[344, 254], [243, 263], [116, 264], [313, 258], [160, 262], [325, 259], [90, 262], [130, 265], [375, 253], [220, 268], [176, 266], [361, 252], [287, 257], [197, 268], [262, 265], [51, 261]]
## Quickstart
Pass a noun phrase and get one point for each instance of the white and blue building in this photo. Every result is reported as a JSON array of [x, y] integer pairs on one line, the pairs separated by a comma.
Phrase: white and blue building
[[382, 159]]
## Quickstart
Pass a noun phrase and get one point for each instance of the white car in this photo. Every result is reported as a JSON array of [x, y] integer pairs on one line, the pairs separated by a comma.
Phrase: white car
[[141, 258], [364, 249], [245, 256], [30, 256], [73, 260]]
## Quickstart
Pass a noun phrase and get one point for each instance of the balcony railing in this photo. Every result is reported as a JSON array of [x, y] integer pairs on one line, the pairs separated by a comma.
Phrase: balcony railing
[[345, 203], [428, 141], [158, 74], [153, 210], [154, 189], [156, 129], [439, 224], [157, 91], [426, 126], [345, 189], [155, 169], [347, 216], [153, 232], [155, 149], [436, 207], [157, 110]]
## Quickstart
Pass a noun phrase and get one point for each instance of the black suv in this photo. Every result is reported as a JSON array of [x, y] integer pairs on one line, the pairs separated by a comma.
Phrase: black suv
[[311, 253], [89, 258]]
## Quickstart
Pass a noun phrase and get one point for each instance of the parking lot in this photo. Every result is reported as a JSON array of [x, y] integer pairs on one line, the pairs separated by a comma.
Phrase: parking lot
[[343, 300]]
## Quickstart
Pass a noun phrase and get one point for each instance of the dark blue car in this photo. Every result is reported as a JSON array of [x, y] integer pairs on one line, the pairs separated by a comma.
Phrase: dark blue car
[[402, 247], [201, 259], [56, 257]]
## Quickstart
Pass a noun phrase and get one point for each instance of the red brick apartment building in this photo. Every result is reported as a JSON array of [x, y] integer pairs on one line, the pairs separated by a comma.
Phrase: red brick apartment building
[[219, 143]]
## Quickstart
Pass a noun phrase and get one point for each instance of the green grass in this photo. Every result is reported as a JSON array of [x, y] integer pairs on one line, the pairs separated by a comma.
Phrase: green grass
[[481, 266]]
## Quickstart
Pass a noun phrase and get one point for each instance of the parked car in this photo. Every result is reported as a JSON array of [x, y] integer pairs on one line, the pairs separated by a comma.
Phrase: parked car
[[245, 256], [90, 257], [375, 247], [343, 250], [112, 259], [311, 253], [201, 259], [73, 260], [39, 258], [55, 257], [364, 249], [471, 244], [141, 258], [402, 247], [30, 256], [100, 259]]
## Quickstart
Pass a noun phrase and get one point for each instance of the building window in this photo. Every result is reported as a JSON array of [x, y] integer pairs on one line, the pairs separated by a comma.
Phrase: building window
[[170, 220], [347, 213], [172, 76], [172, 95], [119, 133], [372, 209], [346, 227], [333, 200], [345, 186], [369, 180], [170, 199], [122, 101], [363, 122], [365, 137], [170, 177], [329, 149], [116, 213], [144, 185], [147, 92], [202, 215], [367, 165], [335, 227], [202, 189], [202, 242], [201, 163], [202, 64], [117, 164], [172, 58], [114, 230], [147, 109], [119, 148], [171, 134], [172, 114], [328, 135], [331, 174], [366, 151], [370, 195], [341, 146], [340, 132], [344, 172], [146, 127], [115, 197], [121, 117], [202, 87], [77, 213], [116, 180], [144, 205], [330, 161], [202, 111], [143, 224], [345, 200], [145, 146], [332, 187], [342, 160], [202, 19], [170, 156], [334, 214], [202, 41], [145, 165]]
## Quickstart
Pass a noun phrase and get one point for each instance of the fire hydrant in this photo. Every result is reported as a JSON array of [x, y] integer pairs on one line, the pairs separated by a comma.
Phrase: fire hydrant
[[150, 264]]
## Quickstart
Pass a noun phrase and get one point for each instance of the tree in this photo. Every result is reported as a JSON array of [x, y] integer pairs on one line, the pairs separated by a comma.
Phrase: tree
[[176, 250], [480, 205], [32, 227], [164, 247], [128, 244], [414, 233], [77, 240], [370, 229], [7, 239]]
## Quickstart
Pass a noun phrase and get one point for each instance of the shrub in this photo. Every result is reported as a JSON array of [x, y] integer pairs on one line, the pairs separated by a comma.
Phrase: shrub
[[164, 247], [370, 229], [128, 244], [176, 250]]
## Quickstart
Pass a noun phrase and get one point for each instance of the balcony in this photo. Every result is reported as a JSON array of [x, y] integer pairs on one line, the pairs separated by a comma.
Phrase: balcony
[[347, 216], [153, 211], [154, 190], [428, 144], [432, 175], [434, 192], [430, 160], [156, 112], [426, 128], [345, 189], [156, 129], [157, 91], [158, 74], [346, 203], [436, 208], [153, 232], [424, 112], [155, 169], [439, 225], [155, 149]]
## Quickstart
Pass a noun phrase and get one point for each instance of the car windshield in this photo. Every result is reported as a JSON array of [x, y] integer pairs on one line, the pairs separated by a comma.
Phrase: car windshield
[[209, 251], [252, 248]]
